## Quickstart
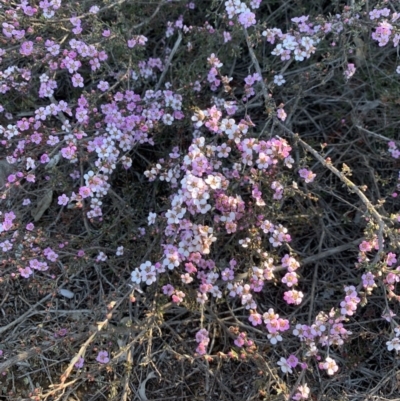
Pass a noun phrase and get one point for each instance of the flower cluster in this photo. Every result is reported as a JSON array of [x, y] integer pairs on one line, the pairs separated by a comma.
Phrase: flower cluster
[[222, 183], [300, 45], [239, 10], [203, 340]]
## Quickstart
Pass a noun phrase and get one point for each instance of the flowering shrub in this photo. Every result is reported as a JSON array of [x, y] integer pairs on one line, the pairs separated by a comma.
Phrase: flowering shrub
[[163, 199]]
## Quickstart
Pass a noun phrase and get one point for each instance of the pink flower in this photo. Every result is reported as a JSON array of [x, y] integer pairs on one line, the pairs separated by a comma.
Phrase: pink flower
[[94, 9], [11, 178], [302, 393], [293, 297], [201, 349], [103, 357], [168, 289], [77, 80], [63, 200], [26, 48], [30, 227], [30, 178], [247, 19], [26, 272], [203, 340], [85, 192], [103, 86], [391, 259], [281, 114], [44, 158], [290, 279], [308, 175], [255, 319], [292, 361], [80, 362], [365, 246]]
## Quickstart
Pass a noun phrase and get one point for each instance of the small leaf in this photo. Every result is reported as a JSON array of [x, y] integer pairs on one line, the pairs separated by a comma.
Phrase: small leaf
[[66, 293]]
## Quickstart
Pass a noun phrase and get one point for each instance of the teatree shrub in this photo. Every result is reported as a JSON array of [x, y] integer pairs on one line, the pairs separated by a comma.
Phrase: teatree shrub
[[163, 153]]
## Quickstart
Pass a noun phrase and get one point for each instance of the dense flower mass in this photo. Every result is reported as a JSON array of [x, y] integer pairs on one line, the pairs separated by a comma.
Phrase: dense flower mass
[[141, 157]]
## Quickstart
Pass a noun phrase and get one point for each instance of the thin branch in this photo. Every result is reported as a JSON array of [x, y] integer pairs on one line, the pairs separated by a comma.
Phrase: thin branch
[[350, 184], [168, 63], [376, 135]]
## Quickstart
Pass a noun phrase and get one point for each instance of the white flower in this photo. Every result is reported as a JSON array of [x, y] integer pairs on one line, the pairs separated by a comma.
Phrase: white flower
[[330, 366], [279, 80], [394, 344], [151, 218], [101, 257], [136, 276], [274, 338], [285, 367], [94, 9]]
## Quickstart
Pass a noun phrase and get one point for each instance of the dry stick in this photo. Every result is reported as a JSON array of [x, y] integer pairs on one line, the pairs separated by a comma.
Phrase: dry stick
[[147, 20], [31, 310], [25, 315], [332, 251], [314, 282], [168, 63], [256, 65], [120, 2], [128, 370], [100, 326], [376, 135], [63, 386], [21, 357], [296, 385]]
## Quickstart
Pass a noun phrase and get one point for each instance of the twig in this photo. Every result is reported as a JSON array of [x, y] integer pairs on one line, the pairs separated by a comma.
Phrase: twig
[[125, 388], [256, 65], [89, 340], [147, 20], [314, 282], [25, 315], [19, 358], [294, 389], [168, 63], [376, 135]]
